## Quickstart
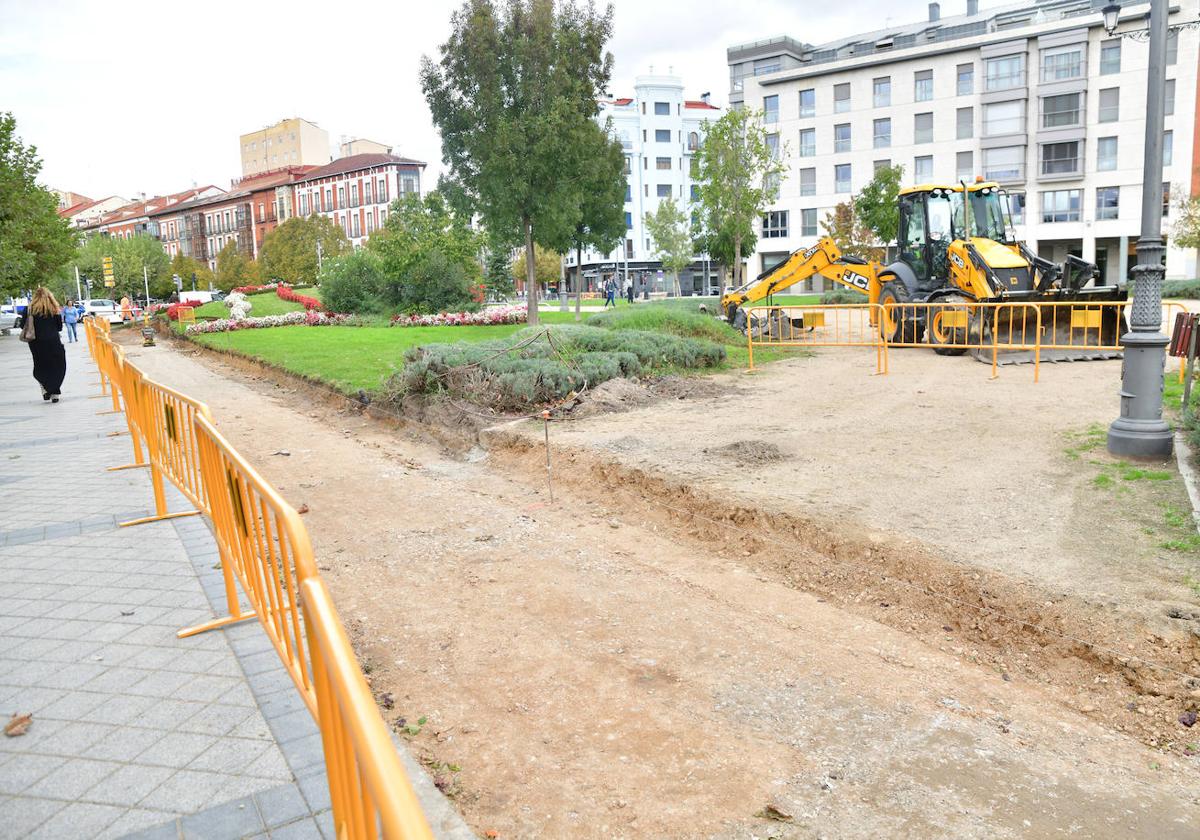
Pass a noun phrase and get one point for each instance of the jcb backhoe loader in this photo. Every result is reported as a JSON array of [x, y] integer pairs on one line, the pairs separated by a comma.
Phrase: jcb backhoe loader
[[955, 245]]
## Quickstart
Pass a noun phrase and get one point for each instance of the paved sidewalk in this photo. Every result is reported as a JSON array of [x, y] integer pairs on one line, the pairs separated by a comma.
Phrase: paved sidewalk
[[135, 732]]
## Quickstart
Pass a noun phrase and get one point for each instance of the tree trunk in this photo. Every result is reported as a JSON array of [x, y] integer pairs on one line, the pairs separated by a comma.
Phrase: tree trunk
[[675, 283], [564, 288], [578, 283], [737, 262], [720, 281], [531, 283]]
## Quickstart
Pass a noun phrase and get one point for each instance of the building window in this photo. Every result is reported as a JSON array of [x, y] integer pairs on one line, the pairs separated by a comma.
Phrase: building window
[[693, 141], [771, 109], [881, 92], [965, 166], [382, 217], [1110, 105], [1166, 200], [628, 249], [408, 184], [881, 164], [628, 168], [662, 109], [341, 196], [1016, 207], [383, 192], [357, 231], [1168, 147], [1060, 158], [808, 181], [773, 146], [883, 133], [662, 135], [1006, 163], [1003, 118], [628, 194], [1061, 206], [663, 190], [841, 178], [662, 163], [923, 169], [1169, 98], [695, 192], [923, 128], [1106, 154], [1108, 203], [965, 123], [1062, 63], [808, 222], [841, 137], [808, 142], [775, 224], [1110, 57], [354, 195], [1004, 72], [628, 221], [808, 103], [923, 86], [1062, 110], [966, 79], [367, 193], [841, 98], [1172, 50]]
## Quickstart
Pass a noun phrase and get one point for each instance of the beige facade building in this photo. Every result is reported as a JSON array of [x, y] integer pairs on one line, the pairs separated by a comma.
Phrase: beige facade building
[[290, 142], [361, 146]]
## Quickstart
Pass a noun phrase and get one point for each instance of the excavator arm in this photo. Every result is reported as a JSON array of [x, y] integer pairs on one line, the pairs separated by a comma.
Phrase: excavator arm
[[824, 259]]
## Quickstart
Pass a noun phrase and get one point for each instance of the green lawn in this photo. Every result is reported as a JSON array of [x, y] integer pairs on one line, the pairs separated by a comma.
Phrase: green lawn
[[265, 303]]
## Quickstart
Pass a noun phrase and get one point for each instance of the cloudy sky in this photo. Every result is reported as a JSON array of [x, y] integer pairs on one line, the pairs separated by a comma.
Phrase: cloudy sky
[[129, 96]]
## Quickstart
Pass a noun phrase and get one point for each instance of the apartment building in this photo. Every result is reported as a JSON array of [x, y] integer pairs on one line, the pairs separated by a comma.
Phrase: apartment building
[[290, 142], [136, 217], [1035, 96], [660, 132], [356, 191]]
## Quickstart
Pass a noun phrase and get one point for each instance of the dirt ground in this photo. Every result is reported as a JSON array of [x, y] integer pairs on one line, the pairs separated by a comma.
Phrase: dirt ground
[[683, 643]]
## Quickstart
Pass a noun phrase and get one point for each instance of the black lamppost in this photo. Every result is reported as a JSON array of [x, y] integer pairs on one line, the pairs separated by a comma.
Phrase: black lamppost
[[1140, 431]]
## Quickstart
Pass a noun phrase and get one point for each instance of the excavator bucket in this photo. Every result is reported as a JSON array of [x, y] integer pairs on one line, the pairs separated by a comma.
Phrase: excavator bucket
[[1085, 326]]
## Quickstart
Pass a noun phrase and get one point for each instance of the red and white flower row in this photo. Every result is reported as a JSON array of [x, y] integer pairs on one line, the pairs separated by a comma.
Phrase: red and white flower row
[[309, 317], [485, 317]]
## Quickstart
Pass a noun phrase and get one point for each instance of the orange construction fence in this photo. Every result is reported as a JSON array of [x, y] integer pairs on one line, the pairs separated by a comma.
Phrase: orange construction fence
[[265, 548]]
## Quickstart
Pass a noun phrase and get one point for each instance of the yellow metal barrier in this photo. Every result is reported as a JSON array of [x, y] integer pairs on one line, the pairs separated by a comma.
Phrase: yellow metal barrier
[[368, 787], [105, 359], [820, 325], [187, 314], [129, 381], [956, 327]]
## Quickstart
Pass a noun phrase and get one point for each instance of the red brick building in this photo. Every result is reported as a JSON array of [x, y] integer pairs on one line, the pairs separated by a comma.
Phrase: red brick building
[[355, 191]]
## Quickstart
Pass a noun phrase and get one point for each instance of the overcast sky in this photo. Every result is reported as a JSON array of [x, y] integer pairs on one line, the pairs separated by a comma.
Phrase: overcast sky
[[129, 96]]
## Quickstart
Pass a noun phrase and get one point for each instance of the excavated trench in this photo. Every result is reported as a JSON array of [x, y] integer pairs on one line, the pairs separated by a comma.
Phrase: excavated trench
[[1109, 665]]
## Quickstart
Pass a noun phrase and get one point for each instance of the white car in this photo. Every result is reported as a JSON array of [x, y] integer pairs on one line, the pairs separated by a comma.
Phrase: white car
[[8, 317], [103, 308]]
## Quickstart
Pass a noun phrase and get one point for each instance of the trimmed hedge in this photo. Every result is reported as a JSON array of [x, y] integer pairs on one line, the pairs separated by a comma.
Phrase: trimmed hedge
[[673, 321], [548, 369]]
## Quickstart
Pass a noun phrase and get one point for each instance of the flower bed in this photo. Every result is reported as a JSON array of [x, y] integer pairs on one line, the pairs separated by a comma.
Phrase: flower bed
[[485, 317], [285, 292], [253, 290], [309, 318], [173, 309]]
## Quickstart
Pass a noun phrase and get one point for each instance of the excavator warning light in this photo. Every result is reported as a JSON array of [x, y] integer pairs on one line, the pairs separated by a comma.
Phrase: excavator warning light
[[978, 179]]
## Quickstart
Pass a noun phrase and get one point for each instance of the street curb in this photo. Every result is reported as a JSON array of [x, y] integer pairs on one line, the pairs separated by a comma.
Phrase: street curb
[[1183, 459]]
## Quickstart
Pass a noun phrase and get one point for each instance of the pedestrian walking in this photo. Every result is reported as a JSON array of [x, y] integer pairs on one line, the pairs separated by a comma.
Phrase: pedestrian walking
[[70, 317], [126, 309], [629, 290], [40, 327], [610, 294]]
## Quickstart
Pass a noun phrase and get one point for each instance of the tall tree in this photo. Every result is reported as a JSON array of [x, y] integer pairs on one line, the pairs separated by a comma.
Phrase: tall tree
[[514, 95], [497, 276], [289, 253], [601, 223], [235, 269], [547, 267], [129, 258], [878, 205], [184, 268], [672, 237], [35, 244], [738, 175]]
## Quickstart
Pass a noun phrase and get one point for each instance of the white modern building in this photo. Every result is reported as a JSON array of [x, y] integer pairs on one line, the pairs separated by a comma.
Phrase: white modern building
[[660, 132], [1034, 95], [356, 191]]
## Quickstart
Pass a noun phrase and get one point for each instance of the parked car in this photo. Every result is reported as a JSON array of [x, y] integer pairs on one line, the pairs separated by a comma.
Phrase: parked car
[[103, 308], [8, 317]]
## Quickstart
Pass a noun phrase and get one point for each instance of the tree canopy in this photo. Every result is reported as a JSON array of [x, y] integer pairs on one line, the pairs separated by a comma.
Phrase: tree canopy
[[670, 233], [185, 267], [235, 269], [513, 93], [417, 227], [845, 227], [878, 206], [547, 262], [35, 244], [737, 172], [289, 253], [129, 257]]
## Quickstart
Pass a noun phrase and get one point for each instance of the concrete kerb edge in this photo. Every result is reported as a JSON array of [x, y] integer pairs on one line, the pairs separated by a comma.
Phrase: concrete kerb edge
[[1183, 459], [444, 819]]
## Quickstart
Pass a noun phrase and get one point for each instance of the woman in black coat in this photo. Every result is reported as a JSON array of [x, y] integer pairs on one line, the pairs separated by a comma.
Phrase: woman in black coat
[[49, 356]]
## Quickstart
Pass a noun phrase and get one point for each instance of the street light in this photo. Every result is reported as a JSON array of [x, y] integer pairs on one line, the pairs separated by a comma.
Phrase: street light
[[1111, 13], [1140, 431]]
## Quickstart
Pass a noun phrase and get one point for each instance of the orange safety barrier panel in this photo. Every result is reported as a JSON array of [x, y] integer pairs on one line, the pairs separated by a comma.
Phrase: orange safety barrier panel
[[819, 325], [368, 787]]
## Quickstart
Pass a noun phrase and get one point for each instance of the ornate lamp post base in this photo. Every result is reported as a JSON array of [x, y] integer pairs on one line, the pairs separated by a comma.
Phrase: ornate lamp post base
[[1145, 436]]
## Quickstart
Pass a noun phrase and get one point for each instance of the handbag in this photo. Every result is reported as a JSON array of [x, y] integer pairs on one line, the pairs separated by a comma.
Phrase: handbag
[[27, 329]]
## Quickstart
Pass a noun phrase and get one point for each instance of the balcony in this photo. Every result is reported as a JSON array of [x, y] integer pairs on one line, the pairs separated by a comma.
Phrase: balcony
[[1062, 71], [1004, 81], [1003, 126], [1004, 173]]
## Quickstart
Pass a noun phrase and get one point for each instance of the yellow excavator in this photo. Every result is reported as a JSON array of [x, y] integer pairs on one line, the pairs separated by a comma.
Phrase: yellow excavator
[[955, 244]]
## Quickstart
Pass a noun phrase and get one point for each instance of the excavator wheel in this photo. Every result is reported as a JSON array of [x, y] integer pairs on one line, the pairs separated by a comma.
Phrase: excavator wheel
[[949, 327], [901, 327]]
